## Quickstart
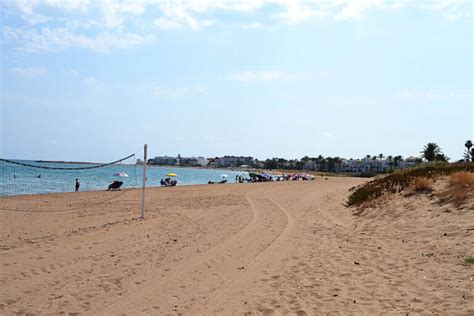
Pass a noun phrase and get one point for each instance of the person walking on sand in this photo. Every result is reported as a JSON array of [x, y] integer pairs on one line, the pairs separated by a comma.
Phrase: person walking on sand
[[77, 185]]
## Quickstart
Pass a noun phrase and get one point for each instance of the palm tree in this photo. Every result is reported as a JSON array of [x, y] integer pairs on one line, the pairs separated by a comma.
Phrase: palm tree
[[281, 163], [337, 162], [367, 163], [442, 157], [469, 154], [293, 164], [430, 151], [390, 161], [397, 160], [372, 166], [319, 161], [322, 163]]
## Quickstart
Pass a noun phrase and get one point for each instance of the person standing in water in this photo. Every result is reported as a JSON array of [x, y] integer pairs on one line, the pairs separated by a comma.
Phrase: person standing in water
[[77, 185]]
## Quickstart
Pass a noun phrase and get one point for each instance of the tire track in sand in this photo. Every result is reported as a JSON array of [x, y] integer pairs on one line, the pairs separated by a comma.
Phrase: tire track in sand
[[223, 252], [263, 265]]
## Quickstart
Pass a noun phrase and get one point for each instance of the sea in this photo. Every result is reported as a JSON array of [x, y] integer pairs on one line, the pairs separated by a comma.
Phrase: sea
[[22, 180]]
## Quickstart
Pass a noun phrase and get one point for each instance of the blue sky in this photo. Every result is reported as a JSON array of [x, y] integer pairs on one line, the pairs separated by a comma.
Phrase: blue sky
[[90, 80]]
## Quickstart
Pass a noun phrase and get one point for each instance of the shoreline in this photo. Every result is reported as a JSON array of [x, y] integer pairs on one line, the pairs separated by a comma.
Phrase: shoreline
[[105, 190], [235, 169]]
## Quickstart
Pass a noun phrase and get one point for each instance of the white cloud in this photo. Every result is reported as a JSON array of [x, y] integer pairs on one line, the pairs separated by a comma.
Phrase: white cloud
[[200, 6], [451, 9], [112, 10], [134, 7], [167, 24], [26, 10], [101, 26], [355, 9], [179, 13], [245, 5], [115, 12], [161, 91], [248, 76], [253, 26], [297, 12], [69, 5], [29, 72], [58, 39]]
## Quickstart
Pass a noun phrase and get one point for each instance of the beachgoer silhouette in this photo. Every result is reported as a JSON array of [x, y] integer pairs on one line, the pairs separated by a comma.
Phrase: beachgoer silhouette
[[77, 185]]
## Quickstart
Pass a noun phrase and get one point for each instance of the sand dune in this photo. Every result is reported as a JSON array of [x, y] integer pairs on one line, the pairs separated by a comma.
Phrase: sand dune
[[271, 249]]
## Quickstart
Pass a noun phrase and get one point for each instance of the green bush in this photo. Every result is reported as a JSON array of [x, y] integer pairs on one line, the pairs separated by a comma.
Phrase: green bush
[[469, 260], [399, 180]]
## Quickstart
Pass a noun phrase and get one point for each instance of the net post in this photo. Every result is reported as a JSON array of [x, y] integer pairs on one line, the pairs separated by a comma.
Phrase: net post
[[142, 215]]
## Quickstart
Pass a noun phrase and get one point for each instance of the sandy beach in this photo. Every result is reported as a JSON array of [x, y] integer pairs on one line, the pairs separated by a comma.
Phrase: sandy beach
[[288, 248]]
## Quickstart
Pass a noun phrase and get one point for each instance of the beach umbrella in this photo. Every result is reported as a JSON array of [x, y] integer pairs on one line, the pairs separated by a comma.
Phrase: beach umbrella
[[171, 174]]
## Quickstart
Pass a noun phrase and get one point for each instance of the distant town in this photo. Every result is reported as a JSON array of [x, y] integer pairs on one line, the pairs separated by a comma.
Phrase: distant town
[[368, 164]]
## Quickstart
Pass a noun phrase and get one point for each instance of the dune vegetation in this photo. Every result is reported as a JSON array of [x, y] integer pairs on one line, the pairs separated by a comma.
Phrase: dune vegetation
[[419, 180]]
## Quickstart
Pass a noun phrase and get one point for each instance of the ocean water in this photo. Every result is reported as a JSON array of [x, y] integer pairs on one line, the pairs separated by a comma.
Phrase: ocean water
[[20, 180]]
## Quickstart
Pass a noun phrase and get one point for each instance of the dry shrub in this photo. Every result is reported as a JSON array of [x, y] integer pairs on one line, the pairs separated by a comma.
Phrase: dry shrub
[[459, 188], [400, 180], [420, 185], [462, 179]]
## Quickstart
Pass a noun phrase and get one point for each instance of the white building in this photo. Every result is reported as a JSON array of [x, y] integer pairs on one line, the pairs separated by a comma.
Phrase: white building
[[367, 165], [234, 161], [180, 161], [164, 160], [202, 161]]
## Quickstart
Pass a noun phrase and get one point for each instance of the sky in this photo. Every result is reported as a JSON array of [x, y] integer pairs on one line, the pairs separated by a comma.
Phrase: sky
[[94, 80]]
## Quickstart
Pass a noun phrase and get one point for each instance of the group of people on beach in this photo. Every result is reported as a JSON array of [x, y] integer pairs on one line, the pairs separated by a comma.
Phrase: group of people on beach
[[254, 177], [115, 185], [296, 176], [265, 177], [240, 179], [168, 182]]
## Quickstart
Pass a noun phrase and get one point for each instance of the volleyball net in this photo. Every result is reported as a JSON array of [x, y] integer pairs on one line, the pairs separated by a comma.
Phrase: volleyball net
[[53, 186]]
